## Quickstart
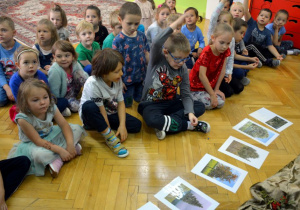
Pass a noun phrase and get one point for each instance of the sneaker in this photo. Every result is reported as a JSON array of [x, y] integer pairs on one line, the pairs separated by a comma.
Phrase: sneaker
[[283, 56], [245, 81], [160, 134], [259, 64], [296, 52], [66, 112], [78, 149], [55, 167], [275, 63], [202, 126]]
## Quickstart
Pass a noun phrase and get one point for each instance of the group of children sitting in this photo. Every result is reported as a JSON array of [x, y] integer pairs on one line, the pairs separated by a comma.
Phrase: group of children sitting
[[154, 63]]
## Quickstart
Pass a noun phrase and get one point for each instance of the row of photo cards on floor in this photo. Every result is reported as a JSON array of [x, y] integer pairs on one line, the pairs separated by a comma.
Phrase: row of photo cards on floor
[[179, 194]]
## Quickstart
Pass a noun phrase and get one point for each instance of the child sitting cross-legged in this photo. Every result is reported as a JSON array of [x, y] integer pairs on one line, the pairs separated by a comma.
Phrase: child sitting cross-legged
[[161, 107]]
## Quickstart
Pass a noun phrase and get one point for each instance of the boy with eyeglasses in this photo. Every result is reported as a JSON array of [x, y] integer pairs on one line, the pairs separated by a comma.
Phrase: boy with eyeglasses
[[161, 107]]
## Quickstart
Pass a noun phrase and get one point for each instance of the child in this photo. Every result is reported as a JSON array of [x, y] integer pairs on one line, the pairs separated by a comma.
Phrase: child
[[209, 70], [277, 30], [237, 10], [58, 17], [87, 46], [102, 104], [66, 76], [171, 19], [43, 143], [229, 85], [193, 34], [227, 5], [7, 64], [258, 39], [147, 12], [133, 46], [241, 66], [161, 107], [46, 36], [93, 15], [160, 24], [116, 26], [172, 5]]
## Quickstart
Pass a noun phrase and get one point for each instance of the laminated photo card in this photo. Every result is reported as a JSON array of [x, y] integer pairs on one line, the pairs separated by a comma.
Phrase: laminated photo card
[[271, 119], [220, 172], [255, 131], [149, 206], [242, 151], [179, 195]]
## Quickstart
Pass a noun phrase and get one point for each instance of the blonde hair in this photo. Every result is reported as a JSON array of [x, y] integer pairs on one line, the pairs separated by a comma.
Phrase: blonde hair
[[83, 25], [226, 13], [220, 29], [113, 18], [24, 91], [172, 18], [177, 42], [238, 4], [52, 29], [23, 49]]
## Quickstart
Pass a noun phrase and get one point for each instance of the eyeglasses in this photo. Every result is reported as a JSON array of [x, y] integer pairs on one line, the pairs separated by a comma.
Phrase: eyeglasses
[[179, 60]]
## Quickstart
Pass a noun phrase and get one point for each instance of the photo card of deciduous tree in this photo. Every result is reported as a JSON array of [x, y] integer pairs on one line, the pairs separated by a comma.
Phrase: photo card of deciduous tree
[[255, 131], [179, 194], [242, 151], [271, 119], [220, 172]]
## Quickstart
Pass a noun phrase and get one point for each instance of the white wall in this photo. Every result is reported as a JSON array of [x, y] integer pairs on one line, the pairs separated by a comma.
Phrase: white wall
[[212, 4]]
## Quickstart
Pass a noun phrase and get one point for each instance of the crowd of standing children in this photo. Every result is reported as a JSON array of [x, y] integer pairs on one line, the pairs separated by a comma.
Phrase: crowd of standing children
[[150, 55]]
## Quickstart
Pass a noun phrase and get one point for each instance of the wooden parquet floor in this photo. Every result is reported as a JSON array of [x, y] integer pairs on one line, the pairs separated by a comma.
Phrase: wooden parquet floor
[[100, 180]]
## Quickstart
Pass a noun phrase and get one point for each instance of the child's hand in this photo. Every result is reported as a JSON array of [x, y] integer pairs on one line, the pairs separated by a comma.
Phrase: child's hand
[[123, 133], [65, 155], [3, 205], [9, 94], [245, 52], [254, 59], [47, 67], [124, 88], [71, 149], [195, 55], [279, 57], [228, 78], [199, 51], [275, 26], [220, 93], [193, 119], [214, 100], [252, 65]]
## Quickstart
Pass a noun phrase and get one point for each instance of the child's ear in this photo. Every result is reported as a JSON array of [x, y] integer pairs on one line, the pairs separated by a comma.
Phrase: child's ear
[[120, 19], [14, 33], [17, 64], [165, 51]]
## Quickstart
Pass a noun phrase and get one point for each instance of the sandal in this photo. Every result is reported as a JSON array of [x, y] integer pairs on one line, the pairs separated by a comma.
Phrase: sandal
[[117, 148]]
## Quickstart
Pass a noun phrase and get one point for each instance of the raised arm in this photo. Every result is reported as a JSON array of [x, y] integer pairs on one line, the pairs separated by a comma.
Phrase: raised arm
[[214, 19], [247, 13]]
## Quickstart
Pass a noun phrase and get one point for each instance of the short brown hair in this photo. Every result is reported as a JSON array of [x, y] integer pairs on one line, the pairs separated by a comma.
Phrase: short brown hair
[[57, 8], [129, 8], [105, 61], [25, 89], [177, 42], [64, 46], [9, 21], [113, 18], [238, 23], [266, 10], [83, 25], [22, 49], [52, 29]]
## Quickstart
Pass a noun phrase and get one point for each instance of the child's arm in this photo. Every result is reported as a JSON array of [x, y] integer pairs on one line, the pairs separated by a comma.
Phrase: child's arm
[[276, 39], [274, 51], [214, 19], [147, 57], [245, 58], [85, 62], [33, 135], [4, 85], [201, 42], [3, 205], [122, 118], [221, 76], [67, 132], [247, 13]]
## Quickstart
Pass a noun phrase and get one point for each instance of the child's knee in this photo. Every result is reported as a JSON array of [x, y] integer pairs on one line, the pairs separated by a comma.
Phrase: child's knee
[[89, 107]]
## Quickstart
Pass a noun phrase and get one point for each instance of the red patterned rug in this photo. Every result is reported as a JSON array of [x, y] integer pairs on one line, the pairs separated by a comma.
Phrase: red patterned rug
[[26, 14]]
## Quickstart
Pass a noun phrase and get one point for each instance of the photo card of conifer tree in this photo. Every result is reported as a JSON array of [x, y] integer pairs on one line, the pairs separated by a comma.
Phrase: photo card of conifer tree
[[149, 206], [220, 172], [255, 131], [179, 194], [242, 151]]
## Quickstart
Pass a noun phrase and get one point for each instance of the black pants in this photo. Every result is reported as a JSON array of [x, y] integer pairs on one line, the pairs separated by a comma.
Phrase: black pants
[[13, 172], [263, 54], [93, 119], [234, 87], [168, 115]]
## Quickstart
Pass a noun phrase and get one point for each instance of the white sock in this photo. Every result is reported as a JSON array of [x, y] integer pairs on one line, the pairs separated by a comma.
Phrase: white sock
[[290, 52], [189, 126]]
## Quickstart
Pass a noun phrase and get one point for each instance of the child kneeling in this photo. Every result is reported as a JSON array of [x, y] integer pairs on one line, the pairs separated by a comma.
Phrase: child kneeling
[[161, 107], [102, 104]]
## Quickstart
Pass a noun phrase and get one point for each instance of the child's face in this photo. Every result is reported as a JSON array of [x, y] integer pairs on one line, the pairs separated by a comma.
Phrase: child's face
[[117, 29], [6, 33], [63, 59], [238, 35], [92, 17], [115, 75], [226, 6], [38, 101], [191, 17], [176, 59], [171, 4], [224, 19], [237, 11], [87, 37], [55, 18], [178, 29], [43, 33], [130, 24], [28, 65], [263, 18], [221, 42], [163, 15], [280, 19]]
